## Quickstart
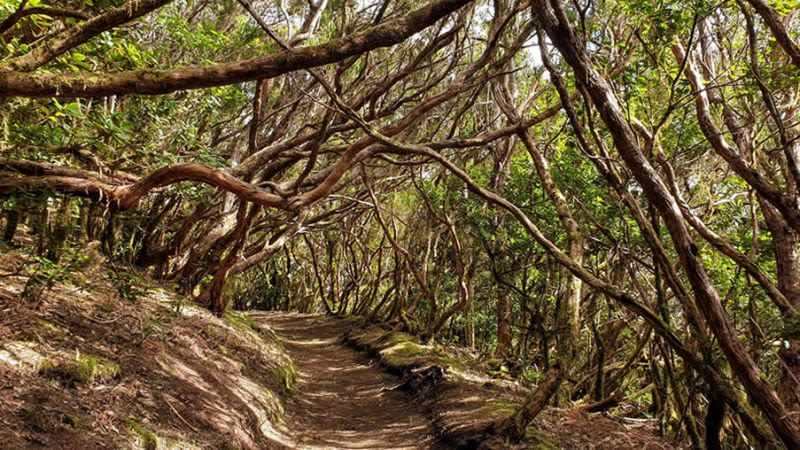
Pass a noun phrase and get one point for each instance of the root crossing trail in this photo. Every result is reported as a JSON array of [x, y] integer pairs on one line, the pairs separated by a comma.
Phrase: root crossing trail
[[345, 400]]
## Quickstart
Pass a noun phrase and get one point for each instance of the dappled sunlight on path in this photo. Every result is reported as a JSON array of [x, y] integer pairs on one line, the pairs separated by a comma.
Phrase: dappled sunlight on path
[[345, 400]]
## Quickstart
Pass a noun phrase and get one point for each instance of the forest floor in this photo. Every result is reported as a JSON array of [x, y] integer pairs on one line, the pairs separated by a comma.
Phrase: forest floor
[[99, 357]]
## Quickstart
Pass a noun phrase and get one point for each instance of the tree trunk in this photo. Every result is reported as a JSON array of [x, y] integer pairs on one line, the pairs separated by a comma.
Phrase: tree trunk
[[785, 241], [504, 335], [514, 427], [715, 415], [553, 19], [12, 220]]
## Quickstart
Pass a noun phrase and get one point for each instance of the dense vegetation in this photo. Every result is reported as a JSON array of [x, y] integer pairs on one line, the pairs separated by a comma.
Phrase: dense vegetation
[[600, 196]]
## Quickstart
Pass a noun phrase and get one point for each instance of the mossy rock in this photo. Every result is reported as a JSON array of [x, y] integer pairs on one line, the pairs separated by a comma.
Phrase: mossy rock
[[406, 352], [147, 438], [410, 349], [84, 369]]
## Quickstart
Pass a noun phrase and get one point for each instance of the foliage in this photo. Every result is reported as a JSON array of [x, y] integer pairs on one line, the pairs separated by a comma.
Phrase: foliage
[[45, 274]]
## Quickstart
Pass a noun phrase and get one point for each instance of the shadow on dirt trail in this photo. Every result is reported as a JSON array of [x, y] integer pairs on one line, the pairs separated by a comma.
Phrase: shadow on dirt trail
[[345, 401]]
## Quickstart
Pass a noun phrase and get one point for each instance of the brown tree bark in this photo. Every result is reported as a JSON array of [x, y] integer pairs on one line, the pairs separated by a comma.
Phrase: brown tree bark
[[72, 37], [552, 18], [779, 31], [15, 82], [504, 319], [23, 12], [514, 427], [125, 196]]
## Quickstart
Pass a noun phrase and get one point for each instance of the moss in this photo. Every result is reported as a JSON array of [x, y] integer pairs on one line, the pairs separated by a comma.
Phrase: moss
[[70, 420], [27, 415], [148, 439], [95, 368], [503, 406], [47, 326], [398, 337], [242, 322], [27, 337], [395, 358], [405, 351], [452, 362], [286, 377], [43, 329], [47, 367], [32, 420], [392, 362], [538, 441], [411, 349], [84, 369]]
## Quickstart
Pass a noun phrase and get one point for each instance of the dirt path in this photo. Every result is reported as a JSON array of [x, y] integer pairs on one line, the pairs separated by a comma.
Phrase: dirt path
[[345, 400]]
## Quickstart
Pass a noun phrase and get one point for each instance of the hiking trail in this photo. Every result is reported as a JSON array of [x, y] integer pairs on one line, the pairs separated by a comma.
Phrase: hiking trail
[[345, 399]]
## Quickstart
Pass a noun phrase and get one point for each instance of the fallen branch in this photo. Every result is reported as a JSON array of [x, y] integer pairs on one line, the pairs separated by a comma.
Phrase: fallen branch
[[179, 415]]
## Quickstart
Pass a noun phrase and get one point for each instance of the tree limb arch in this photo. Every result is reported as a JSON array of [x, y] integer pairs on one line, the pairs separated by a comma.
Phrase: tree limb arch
[[153, 82], [36, 168], [125, 196]]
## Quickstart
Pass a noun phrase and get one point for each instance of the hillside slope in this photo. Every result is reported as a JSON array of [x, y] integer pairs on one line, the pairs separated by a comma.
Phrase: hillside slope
[[100, 359], [464, 400]]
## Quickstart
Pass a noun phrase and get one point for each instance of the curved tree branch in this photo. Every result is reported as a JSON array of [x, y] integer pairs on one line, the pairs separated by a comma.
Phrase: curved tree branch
[[20, 14], [77, 182], [778, 30], [73, 37], [16, 83]]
